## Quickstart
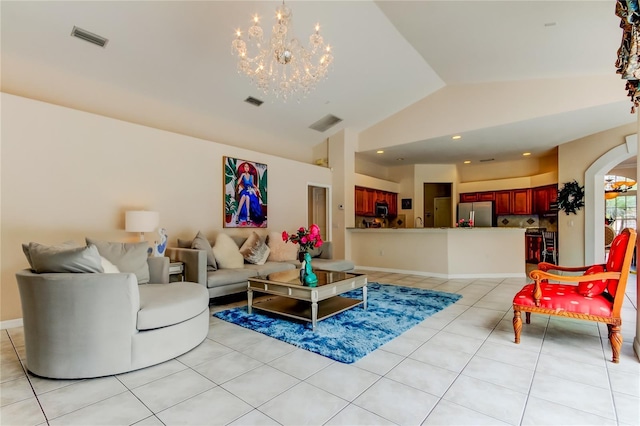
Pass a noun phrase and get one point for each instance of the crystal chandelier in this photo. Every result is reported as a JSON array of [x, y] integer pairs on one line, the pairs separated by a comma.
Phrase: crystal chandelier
[[281, 65]]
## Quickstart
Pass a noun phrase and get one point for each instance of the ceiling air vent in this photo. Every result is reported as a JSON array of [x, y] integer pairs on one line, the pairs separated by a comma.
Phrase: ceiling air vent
[[90, 37], [254, 101], [325, 123], [487, 159]]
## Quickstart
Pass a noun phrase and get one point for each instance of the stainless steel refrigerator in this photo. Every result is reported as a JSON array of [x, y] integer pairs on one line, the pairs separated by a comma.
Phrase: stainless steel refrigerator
[[481, 213]]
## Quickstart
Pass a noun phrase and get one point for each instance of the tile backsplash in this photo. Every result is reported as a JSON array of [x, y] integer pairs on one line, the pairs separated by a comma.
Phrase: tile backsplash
[[528, 221]]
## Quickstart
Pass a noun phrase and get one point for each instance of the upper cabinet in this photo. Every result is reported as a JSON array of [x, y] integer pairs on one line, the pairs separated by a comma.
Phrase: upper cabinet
[[502, 202], [544, 197], [366, 198], [523, 201]]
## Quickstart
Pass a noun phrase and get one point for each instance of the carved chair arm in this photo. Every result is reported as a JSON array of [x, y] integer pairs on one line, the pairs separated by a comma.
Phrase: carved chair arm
[[538, 276], [546, 266]]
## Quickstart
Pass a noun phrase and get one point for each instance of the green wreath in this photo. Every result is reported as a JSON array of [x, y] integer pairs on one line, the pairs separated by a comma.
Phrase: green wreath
[[571, 197]]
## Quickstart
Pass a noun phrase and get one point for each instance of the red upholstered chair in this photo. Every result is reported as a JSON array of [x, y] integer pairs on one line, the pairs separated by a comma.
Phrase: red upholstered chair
[[596, 295]]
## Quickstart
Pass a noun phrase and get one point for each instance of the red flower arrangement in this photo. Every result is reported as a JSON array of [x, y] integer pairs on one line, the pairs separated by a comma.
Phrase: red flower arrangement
[[306, 238]]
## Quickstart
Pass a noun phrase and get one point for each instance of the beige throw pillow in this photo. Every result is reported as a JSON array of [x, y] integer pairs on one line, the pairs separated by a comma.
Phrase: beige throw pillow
[[227, 253], [254, 250], [281, 251]]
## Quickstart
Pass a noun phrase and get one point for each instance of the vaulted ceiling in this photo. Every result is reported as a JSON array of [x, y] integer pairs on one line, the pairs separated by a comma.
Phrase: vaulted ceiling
[[509, 76]]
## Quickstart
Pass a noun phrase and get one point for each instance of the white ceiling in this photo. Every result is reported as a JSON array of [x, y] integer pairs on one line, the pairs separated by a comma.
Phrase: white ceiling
[[169, 65]]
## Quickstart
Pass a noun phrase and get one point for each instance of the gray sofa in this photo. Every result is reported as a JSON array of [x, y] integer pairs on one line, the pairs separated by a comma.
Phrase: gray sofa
[[81, 325], [225, 281]]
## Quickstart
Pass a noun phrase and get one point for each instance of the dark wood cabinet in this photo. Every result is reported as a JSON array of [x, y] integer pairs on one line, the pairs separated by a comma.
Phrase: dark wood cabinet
[[366, 198], [502, 202], [469, 197], [486, 196], [543, 197], [521, 201]]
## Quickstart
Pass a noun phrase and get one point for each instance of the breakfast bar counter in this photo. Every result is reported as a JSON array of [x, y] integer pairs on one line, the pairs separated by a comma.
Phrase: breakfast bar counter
[[441, 252]]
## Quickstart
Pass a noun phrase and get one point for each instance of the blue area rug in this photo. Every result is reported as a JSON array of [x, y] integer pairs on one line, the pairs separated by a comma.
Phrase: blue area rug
[[352, 334]]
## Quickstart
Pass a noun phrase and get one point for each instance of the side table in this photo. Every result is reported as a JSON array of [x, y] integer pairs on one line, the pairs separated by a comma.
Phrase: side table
[[176, 271]]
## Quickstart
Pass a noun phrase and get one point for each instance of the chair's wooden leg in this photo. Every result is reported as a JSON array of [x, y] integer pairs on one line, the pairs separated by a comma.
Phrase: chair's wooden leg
[[609, 330], [517, 324], [527, 316], [615, 337]]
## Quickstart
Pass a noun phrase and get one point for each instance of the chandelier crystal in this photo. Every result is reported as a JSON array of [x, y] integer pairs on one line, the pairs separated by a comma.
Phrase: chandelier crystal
[[282, 66]]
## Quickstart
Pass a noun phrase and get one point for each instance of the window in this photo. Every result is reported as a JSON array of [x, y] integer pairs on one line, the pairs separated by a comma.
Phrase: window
[[620, 206]]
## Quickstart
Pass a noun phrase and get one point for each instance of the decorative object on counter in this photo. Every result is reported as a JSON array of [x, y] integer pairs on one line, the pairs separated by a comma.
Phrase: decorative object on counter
[[464, 223], [571, 197], [350, 335], [307, 239], [160, 247]]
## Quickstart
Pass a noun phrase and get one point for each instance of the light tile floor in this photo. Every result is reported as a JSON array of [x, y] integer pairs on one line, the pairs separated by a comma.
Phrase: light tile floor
[[459, 367]]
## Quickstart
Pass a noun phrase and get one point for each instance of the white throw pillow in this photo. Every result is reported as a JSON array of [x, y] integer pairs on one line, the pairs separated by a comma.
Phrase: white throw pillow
[[227, 253], [109, 268]]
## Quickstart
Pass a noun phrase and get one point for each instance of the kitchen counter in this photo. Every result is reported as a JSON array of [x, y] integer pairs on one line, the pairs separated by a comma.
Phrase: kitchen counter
[[441, 252]]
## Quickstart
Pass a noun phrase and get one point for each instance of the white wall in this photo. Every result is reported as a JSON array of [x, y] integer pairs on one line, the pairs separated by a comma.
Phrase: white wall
[[574, 158], [68, 174]]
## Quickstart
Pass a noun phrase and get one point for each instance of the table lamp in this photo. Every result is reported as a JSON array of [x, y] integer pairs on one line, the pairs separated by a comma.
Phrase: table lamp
[[141, 221]]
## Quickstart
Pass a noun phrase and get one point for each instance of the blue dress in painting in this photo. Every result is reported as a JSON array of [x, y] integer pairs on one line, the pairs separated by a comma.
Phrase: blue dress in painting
[[248, 188]]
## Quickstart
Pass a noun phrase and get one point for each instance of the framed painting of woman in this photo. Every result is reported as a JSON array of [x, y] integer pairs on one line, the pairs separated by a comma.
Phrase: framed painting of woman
[[245, 193]]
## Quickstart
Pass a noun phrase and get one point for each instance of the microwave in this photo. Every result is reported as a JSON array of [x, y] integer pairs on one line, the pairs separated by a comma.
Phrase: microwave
[[382, 209]]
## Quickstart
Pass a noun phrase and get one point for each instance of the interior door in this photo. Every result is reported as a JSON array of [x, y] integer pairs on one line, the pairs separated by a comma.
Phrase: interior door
[[442, 209], [318, 209]]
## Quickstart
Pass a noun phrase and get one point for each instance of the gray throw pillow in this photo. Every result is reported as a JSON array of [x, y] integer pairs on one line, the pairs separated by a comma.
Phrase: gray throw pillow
[[200, 242], [128, 257], [63, 258]]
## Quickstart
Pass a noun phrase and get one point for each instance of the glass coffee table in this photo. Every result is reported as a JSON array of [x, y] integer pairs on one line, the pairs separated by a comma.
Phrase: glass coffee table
[[292, 299]]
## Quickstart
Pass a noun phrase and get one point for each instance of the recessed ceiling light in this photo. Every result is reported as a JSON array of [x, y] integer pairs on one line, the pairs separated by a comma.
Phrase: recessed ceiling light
[[399, 159], [467, 161], [379, 151], [526, 153], [456, 137]]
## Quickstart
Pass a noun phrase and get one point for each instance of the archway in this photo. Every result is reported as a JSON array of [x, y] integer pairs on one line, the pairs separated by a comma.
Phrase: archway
[[594, 198]]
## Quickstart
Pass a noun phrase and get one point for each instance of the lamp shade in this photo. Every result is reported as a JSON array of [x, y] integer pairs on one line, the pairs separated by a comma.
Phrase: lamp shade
[[141, 221]]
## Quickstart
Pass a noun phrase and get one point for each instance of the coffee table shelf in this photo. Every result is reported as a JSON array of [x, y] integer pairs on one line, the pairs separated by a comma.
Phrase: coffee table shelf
[[294, 300], [302, 310]]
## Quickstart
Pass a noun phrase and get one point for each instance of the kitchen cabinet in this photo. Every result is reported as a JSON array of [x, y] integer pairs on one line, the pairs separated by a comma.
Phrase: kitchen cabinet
[[366, 198], [486, 196], [469, 197], [533, 248], [543, 197], [502, 202], [521, 201]]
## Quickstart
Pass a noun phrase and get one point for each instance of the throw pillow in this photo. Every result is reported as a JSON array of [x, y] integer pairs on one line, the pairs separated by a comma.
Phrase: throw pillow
[[184, 243], [128, 257], [66, 244], [200, 242], [109, 268], [254, 250], [63, 258], [616, 259], [281, 251], [227, 253], [592, 288]]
